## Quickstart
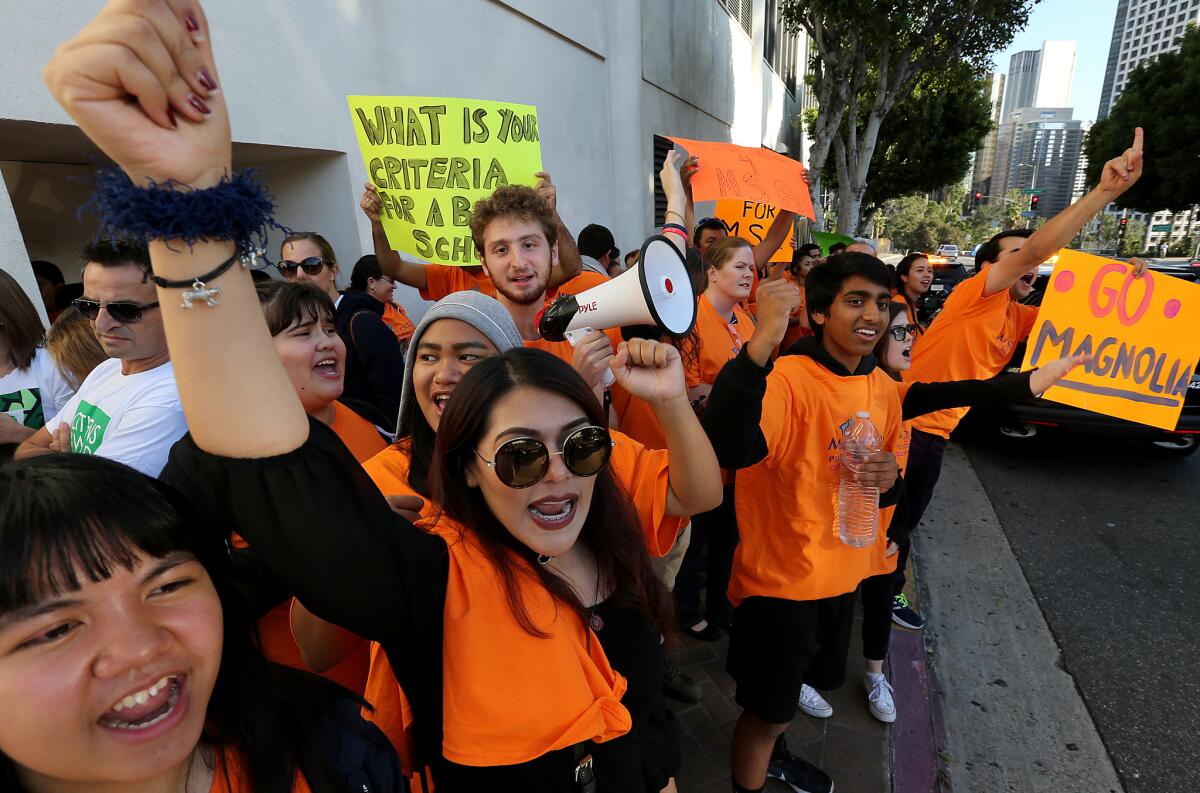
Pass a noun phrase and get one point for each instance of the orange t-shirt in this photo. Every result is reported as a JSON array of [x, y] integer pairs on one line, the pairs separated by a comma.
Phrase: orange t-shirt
[[788, 545], [637, 419], [796, 329], [580, 283], [720, 341], [497, 712], [275, 627], [971, 339], [230, 775], [442, 280], [396, 318], [359, 435]]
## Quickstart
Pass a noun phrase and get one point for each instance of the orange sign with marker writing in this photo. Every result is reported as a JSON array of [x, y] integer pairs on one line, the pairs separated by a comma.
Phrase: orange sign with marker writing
[[1140, 332], [747, 174], [752, 221]]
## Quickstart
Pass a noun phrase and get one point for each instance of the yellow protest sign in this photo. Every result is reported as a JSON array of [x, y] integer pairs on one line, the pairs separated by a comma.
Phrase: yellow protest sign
[[750, 221], [432, 158], [1140, 333]]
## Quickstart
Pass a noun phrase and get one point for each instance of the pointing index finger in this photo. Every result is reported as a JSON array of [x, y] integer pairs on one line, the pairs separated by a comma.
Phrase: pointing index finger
[[1137, 140]]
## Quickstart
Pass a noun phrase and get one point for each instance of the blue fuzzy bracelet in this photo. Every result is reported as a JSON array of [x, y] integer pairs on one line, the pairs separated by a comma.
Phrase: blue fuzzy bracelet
[[238, 208]]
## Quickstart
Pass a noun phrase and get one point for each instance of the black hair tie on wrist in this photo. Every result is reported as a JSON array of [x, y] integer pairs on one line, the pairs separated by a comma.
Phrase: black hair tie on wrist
[[195, 289]]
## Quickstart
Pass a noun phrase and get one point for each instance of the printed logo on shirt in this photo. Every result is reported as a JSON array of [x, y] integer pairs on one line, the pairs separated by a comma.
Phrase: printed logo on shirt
[[25, 406], [87, 428], [835, 443]]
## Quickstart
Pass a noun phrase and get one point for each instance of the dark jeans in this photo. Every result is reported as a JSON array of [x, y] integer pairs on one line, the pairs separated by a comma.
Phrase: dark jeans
[[716, 529], [876, 593], [920, 477]]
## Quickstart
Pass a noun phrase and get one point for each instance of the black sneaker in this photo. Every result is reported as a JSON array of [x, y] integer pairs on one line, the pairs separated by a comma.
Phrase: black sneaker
[[800, 775], [904, 616], [679, 685]]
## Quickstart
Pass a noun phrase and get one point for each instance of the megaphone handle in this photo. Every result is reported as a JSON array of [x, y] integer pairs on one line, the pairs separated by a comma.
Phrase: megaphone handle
[[606, 379]]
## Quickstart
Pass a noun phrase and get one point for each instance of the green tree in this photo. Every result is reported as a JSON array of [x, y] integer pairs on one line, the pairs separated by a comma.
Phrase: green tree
[[1160, 97], [926, 142], [866, 55]]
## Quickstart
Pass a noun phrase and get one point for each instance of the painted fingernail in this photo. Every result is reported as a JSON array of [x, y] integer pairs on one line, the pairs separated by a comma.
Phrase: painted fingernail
[[205, 79], [199, 104], [193, 27]]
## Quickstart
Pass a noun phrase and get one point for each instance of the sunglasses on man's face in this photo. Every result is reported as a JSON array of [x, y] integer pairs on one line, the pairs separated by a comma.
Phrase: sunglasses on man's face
[[901, 332], [522, 462], [125, 312], [311, 266]]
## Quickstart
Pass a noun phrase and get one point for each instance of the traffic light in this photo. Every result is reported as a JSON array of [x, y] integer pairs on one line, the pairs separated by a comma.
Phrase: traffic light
[[1033, 202], [978, 197], [1121, 233]]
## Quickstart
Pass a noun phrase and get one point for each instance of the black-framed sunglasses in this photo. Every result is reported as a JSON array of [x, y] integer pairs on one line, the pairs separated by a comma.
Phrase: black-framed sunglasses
[[522, 462], [311, 266], [123, 311], [901, 332]]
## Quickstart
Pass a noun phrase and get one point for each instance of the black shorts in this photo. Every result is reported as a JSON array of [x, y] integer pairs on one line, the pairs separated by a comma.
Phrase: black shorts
[[777, 645]]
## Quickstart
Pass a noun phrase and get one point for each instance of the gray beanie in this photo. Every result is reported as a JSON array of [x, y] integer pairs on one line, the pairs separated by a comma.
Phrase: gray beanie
[[479, 311]]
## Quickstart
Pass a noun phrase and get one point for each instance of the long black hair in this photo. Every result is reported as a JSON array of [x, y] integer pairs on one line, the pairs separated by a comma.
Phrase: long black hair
[[69, 517], [611, 528]]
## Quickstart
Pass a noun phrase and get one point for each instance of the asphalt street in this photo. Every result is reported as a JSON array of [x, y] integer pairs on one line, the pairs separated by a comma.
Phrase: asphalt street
[[1107, 536]]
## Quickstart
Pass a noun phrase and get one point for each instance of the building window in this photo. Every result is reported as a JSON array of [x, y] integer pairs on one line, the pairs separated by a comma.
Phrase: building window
[[741, 10], [779, 48]]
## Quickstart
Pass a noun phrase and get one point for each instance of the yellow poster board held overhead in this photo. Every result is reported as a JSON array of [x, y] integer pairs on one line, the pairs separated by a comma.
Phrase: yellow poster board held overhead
[[752, 221], [432, 158], [1140, 332]]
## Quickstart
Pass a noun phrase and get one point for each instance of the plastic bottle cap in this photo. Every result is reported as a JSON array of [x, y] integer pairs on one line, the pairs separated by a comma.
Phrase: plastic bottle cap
[[862, 414]]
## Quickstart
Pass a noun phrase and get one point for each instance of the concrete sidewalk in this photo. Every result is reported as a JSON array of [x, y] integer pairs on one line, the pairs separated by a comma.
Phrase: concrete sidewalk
[[861, 754], [1014, 717]]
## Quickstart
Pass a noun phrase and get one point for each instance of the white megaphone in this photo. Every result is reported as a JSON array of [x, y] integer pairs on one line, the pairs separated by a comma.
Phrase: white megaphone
[[655, 291]]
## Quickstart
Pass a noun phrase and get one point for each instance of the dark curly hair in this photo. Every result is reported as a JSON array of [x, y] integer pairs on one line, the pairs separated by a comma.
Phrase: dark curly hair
[[514, 200]]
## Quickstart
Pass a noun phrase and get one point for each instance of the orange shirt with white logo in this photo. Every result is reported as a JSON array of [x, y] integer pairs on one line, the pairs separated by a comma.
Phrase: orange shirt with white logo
[[785, 503], [971, 339]]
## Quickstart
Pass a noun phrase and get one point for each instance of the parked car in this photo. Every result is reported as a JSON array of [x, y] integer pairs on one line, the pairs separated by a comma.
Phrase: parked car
[[949, 251], [1025, 420]]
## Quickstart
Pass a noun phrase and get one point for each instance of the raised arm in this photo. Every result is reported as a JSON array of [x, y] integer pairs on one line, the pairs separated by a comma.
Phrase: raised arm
[[778, 232], [569, 264], [1120, 173], [690, 166], [653, 371], [922, 398], [408, 273], [307, 509], [672, 185]]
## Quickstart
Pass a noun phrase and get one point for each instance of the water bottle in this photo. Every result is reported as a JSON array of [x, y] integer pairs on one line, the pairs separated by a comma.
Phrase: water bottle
[[857, 504]]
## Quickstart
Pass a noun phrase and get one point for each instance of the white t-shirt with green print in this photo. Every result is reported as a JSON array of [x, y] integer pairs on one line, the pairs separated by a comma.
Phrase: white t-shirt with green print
[[133, 419]]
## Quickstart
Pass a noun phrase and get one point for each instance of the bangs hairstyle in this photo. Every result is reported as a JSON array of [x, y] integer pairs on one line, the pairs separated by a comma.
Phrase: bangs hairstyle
[[825, 282], [292, 303], [611, 528], [70, 518], [722, 251], [514, 200], [20, 324]]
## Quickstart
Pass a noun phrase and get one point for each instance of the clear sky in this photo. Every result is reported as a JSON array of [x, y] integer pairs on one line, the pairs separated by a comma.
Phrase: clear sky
[[1089, 24]]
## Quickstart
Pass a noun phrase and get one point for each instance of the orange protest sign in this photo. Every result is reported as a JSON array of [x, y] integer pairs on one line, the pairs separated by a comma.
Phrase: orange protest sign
[[743, 173], [750, 221], [1140, 333]]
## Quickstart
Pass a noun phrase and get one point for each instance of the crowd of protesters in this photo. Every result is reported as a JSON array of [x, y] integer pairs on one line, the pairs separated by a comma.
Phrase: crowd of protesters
[[264, 534]]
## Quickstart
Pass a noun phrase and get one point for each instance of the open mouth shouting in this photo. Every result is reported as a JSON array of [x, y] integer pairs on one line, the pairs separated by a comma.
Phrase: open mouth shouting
[[907, 352], [439, 399], [327, 368], [1029, 278], [148, 712], [553, 512]]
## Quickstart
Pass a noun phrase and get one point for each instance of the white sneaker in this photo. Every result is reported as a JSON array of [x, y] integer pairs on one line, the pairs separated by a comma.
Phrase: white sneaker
[[879, 698], [813, 703]]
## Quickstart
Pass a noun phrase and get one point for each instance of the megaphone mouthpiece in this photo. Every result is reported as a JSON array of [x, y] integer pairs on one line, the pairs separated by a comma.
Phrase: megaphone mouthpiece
[[554, 318]]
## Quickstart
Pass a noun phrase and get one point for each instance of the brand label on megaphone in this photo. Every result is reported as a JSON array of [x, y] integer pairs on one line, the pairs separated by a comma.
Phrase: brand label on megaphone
[[586, 307]]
